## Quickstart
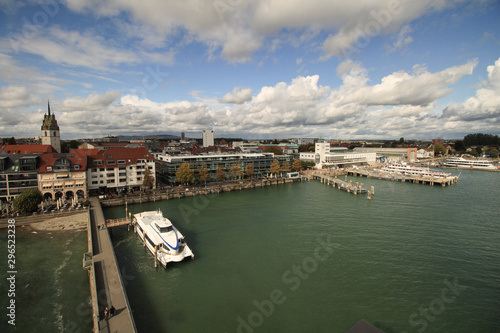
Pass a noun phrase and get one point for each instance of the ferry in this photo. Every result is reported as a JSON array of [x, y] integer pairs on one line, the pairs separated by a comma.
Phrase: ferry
[[462, 163], [408, 170], [157, 232]]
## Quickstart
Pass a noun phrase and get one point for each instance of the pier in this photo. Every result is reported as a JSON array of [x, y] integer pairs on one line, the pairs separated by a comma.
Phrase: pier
[[106, 284], [348, 186], [443, 181]]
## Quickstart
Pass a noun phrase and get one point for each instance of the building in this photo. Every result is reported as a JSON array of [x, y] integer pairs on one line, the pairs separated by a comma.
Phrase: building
[[167, 164], [391, 154], [63, 175], [27, 149], [116, 170], [50, 131], [247, 147], [325, 156], [18, 173], [208, 138]]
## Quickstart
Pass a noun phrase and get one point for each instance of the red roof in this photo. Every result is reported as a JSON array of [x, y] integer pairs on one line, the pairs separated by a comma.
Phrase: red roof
[[28, 149], [76, 156], [111, 156]]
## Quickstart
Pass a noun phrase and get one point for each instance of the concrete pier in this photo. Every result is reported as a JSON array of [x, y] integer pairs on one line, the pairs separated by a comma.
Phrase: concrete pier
[[348, 186], [107, 285], [443, 181]]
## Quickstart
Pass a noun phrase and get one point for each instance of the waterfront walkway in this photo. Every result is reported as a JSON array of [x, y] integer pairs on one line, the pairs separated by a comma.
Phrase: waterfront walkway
[[109, 289]]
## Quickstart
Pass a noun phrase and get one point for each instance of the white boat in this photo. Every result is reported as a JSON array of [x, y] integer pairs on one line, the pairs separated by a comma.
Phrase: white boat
[[462, 163], [157, 232], [408, 170]]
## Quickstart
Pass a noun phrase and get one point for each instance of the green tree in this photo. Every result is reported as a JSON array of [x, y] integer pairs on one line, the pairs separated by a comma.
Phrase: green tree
[[11, 141], [439, 149], [73, 144], [296, 165], [307, 164], [274, 149], [249, 171], [235, 171], [459, 146], [149, 180], [401, 140], [184, 173], [474, 152], [220, 173], [275, 167], [203, 174], [27, 202], [493, 152]]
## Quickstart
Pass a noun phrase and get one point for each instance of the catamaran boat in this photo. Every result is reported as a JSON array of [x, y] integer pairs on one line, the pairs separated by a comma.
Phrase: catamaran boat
[[462, 163], [157, 232], [408, 170]]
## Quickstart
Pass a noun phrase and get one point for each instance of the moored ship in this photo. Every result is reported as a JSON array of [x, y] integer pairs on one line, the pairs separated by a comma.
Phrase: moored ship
[[408, 170], [462, 163], [158, 234]]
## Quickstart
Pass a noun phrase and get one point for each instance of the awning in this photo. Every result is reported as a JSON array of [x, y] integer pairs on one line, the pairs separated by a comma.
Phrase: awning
[[62, 175], [58, 184]]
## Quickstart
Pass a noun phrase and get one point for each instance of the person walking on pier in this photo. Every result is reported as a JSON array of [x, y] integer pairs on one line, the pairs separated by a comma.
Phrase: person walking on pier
[[106, 313]]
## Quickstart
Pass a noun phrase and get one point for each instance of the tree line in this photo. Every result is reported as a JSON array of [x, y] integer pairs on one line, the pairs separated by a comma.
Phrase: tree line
[[187, 175]]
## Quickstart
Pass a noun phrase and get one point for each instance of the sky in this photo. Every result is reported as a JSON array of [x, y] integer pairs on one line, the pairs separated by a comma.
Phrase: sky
[[256, 69]]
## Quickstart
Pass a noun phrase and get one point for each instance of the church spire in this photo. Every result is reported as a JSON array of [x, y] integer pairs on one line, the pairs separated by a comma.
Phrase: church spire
[[48, 104]]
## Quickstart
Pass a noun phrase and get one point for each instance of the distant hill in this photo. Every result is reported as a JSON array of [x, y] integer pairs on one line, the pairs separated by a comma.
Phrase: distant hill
[[149, 136]]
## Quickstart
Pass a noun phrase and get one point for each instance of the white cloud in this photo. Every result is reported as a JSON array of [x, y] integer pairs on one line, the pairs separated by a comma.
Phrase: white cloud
[[238, 28], [15, 96], [484, 106], [402, 39], [238, 96], [94, 102]]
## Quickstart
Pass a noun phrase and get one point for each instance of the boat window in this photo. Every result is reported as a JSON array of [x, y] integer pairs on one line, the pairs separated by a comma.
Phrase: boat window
[[166, 229]]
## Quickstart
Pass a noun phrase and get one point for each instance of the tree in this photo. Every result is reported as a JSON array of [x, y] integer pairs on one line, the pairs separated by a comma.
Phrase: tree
[[220, 173], [149, 180], [235, 171], [439, 149], [11, 141], [459, 146], [307, 164], [296, 165], [286, 166], [493, 152], [274, 149], [73, 144], [401, 140], [184, 173], [203, 174], [474, 152], [27, 202], [275, 167], [249, 172]]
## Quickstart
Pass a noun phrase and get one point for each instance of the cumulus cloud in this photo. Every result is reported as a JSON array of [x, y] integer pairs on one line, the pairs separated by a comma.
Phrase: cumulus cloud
[[238, 96], [484, 106], [237, 29], [93, 102], [15, 96]]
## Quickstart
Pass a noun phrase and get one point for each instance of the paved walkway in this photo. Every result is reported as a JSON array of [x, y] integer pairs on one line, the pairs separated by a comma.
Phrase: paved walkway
[[110, 289]]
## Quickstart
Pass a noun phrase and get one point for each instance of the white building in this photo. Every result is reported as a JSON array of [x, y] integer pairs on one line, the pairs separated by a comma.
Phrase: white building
[[118, 169], [246, 147], [208, 138], [325, 157]]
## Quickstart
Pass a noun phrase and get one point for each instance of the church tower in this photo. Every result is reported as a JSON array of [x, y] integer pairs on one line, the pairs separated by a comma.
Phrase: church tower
[[50, 131]]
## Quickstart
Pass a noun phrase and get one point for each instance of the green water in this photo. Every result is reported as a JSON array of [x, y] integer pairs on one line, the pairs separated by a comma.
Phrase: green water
[[52, 289], [305, 257]]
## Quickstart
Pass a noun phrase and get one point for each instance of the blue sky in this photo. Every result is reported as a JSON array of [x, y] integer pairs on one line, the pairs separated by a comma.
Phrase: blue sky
[[254, 69]]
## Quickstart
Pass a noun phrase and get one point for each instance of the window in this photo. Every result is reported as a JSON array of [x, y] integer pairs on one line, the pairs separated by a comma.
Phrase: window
[[76, 167], [111, 161], [49, 168], [121, 161], [97, 162], [95, 182]]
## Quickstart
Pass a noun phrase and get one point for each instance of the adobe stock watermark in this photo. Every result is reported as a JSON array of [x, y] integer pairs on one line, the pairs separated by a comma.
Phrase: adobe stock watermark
[[224, 6], [372, 28], [292, 280], [437, 306], [32, 25]]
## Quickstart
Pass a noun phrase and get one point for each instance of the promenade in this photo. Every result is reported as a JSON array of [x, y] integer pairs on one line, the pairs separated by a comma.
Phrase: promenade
[[107, 287]]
